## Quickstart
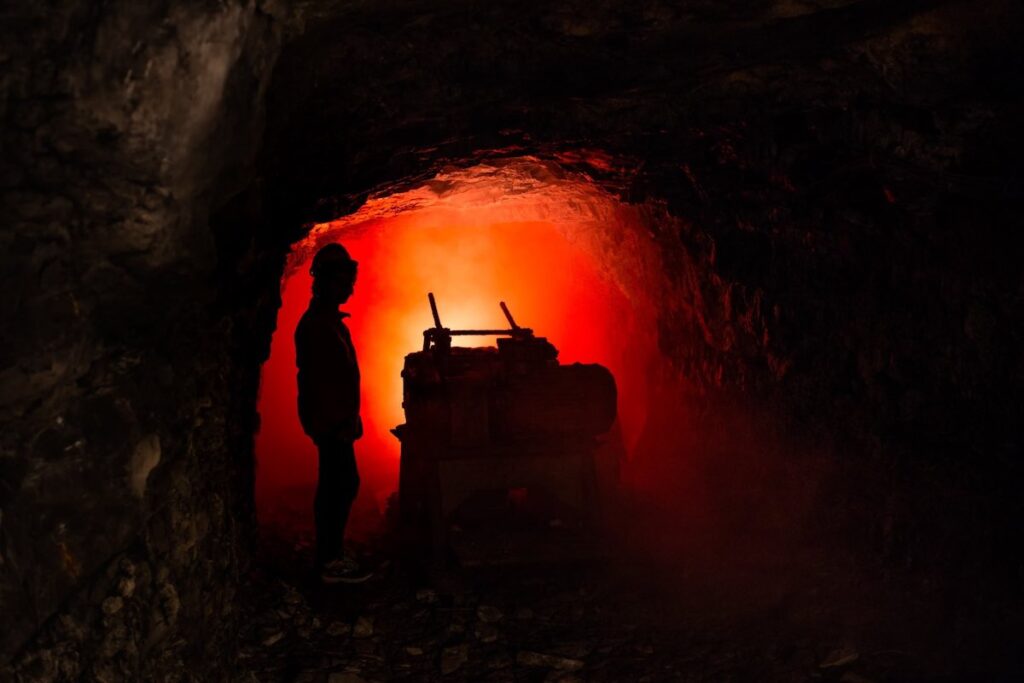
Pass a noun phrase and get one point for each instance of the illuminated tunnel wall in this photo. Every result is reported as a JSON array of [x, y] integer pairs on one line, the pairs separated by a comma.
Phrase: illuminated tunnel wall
[[571, 262]]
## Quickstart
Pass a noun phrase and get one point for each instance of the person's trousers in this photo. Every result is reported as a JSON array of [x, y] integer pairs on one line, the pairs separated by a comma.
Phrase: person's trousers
[[336, 488]]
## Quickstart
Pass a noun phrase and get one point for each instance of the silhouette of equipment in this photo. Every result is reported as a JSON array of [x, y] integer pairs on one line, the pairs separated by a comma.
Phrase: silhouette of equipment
[[481, 420]]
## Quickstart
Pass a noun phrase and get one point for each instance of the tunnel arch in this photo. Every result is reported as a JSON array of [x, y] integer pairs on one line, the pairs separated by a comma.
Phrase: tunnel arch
[[578, 266], [709, 333], [748, 229], [868, 149], [758, 213]]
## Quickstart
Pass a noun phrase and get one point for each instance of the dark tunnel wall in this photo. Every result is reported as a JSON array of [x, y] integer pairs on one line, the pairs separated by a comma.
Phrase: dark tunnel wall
[[839, 200], [873, 165], [122, 122]]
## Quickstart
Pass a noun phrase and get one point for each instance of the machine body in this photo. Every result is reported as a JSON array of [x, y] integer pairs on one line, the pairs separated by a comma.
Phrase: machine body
[[504, 419]]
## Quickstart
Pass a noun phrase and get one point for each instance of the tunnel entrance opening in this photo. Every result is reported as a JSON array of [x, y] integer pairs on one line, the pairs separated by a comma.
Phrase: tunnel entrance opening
[[572, 262]]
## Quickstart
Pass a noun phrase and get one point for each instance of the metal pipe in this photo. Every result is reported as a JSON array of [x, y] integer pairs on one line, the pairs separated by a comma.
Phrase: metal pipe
[[508, 315], [433, 310]]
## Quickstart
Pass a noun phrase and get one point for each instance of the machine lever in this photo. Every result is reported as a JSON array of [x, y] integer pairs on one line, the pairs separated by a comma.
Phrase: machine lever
[[508, 315], [433, 310]]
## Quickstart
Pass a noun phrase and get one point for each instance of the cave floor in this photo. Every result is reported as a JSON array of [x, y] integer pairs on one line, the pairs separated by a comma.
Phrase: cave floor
[[637, 615]]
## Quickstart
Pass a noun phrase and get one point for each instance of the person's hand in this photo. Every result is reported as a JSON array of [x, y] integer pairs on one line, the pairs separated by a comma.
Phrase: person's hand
[[350, 430]]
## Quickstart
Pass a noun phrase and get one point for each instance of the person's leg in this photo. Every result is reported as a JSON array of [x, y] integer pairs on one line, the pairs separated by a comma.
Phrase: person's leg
[[336, 491], [348, 485], [328, 510]]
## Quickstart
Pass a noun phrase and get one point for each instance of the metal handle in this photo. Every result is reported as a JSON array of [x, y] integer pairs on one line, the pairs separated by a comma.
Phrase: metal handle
[[508, 315], [433, 310]]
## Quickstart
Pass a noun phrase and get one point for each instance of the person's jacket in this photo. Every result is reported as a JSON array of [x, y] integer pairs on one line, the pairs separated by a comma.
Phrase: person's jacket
[[328, 374]]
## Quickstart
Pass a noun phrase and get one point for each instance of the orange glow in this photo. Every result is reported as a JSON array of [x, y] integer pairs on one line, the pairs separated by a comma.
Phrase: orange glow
[[540, 251]]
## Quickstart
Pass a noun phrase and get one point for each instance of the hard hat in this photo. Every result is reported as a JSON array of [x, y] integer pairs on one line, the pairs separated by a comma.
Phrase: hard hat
[[332, 258]]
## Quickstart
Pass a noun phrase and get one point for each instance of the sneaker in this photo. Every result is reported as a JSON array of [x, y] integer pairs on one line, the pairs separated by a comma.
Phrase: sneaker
[[345, 570]]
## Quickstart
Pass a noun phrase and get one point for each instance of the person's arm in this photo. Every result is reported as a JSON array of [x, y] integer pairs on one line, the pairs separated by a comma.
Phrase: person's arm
[[324, 402]]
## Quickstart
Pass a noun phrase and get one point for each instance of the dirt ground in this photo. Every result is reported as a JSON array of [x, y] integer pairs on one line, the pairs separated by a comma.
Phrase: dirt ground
[[661, 604]]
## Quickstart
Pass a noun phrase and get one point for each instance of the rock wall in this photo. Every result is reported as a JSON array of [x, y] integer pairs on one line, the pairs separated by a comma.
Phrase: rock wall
[[839, 182], [833, 185], [834, 188], [120, 519]]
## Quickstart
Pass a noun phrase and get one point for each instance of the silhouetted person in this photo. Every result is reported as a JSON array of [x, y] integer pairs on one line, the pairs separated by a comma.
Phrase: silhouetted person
[[329, 407]]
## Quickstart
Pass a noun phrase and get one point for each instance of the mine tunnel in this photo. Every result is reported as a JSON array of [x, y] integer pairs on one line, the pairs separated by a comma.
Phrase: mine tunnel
[[516, 229], [788, 229]]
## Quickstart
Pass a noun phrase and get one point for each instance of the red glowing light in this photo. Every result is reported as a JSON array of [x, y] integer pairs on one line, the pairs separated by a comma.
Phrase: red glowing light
[[471, 254]]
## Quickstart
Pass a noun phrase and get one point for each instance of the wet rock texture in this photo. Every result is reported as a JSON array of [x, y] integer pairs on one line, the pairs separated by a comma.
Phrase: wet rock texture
[[122, 507], [834, 186]]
